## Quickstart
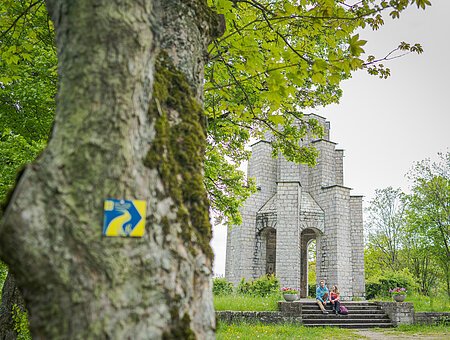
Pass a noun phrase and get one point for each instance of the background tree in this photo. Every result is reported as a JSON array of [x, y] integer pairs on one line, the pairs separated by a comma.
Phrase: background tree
[[386, 225], [27, 89], [429, 208], [416, 226], [420, 260], [129, 124]]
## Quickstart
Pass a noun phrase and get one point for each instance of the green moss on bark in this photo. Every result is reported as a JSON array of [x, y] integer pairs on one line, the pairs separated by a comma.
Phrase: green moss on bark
[[177, 152], [184, 330]]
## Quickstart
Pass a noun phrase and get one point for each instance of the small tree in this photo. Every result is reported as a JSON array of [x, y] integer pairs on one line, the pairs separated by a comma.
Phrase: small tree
[[429, 208], [386, 226]]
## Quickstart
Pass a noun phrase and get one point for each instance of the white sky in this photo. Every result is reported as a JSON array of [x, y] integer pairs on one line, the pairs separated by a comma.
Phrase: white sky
[[385, 125]]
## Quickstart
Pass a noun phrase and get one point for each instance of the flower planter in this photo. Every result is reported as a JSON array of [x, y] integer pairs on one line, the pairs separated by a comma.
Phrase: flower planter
[[290, 297], [399, 297]]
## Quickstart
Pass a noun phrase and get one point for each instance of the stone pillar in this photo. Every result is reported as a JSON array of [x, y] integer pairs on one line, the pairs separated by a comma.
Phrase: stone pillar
[[339, 166], [357, 243], [336, 261], [323, 174], [288, 235], [241, 240]]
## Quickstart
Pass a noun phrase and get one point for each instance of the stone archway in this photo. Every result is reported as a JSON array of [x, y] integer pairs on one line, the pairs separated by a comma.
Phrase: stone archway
[[306, 237], [271, 250], [265, 256]]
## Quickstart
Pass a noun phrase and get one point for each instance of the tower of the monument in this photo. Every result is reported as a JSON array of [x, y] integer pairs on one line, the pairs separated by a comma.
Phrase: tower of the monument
[[295, 204]]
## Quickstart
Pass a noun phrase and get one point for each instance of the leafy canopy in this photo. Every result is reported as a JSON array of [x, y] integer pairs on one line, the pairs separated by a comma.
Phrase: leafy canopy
[[27, 85], [276, 60]]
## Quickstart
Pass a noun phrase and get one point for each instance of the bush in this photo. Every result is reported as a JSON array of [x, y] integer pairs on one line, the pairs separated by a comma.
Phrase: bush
[[263, 286], [222, 287], [312, 290], [380, 287]]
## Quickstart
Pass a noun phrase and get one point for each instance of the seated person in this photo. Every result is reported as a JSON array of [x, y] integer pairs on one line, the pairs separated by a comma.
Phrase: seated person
[[322, 296], [334, 299]]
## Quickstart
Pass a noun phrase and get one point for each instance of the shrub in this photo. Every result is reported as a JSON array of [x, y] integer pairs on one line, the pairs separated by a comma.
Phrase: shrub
[[263, 286], [380, 287], [312, 290], [222, 287], [373, 289]]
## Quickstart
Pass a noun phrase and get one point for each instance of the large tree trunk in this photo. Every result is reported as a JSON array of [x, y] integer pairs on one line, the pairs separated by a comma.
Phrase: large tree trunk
[[128, 125]]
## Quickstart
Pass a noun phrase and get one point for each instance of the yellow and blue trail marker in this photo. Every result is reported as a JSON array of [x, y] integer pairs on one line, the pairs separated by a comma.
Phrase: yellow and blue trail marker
[[124, 218]]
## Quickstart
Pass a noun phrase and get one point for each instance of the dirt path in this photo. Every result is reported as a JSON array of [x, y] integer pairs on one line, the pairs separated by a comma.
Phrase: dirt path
[[380, 335]]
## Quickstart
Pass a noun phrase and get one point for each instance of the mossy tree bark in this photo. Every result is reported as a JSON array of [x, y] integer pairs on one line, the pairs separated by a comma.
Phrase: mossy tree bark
[[128, 125]]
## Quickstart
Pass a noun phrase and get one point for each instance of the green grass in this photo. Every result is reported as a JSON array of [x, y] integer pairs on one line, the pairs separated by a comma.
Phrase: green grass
[[430, 304], [250, 303], [286, 331], [247, 303], [290, 331], [425, 303]]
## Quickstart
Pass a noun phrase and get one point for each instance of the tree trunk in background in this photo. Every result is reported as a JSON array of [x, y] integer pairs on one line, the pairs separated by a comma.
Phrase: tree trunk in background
[[128, 125], [10, 297]]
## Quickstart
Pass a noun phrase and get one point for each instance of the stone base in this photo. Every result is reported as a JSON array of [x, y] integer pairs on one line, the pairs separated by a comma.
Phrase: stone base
[[401, 313], [432, 318], [263, 317], [290, 308]]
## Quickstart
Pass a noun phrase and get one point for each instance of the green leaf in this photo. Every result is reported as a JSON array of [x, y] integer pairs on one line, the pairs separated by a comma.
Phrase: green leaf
[[355, 45]]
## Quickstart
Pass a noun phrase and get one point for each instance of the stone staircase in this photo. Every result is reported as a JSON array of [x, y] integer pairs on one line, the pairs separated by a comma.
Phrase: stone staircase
[[360, 315]]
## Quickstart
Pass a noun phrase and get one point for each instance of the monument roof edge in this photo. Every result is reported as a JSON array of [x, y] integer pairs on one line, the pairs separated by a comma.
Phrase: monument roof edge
[[261, 141]]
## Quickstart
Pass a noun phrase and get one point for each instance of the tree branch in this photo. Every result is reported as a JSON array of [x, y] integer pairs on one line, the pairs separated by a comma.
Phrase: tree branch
[[18, 18]]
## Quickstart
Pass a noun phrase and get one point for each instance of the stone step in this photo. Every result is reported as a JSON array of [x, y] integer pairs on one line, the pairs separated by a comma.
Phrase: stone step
[[352, 311], [350, 303], [344, 303], [352, 325], [326, 321], [354, 316], [316, 307], [349, 307]]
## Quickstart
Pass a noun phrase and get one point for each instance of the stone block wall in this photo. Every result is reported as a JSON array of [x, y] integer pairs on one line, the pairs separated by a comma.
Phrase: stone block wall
[[230, 317], [336, 266], [288, 234], [339, 166], [357, 246], [241, 240], [400, 313], [432, 318]]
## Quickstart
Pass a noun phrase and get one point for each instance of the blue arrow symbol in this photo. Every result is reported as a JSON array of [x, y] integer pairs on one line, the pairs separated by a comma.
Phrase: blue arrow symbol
[[133, 221]]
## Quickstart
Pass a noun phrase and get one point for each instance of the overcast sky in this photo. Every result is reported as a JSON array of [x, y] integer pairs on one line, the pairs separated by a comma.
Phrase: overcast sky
[[385, 125]]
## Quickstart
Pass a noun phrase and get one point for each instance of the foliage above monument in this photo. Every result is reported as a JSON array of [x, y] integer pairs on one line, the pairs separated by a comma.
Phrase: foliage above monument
[[276, 60]]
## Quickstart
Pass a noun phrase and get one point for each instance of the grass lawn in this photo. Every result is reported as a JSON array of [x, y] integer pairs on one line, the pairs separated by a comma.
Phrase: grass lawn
[[247, 303], [290, 331], [426, 303], [286, 331], [269, 303]]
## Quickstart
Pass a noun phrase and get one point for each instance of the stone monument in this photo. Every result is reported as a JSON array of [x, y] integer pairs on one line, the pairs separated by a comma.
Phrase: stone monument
[[294, 205]]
